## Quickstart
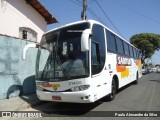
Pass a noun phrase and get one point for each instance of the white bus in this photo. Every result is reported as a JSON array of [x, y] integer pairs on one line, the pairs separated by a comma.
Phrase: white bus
[[83, 62]]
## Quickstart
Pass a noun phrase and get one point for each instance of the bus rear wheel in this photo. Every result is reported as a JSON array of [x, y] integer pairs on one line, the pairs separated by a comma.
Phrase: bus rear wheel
[[112, 95], [136, 81]]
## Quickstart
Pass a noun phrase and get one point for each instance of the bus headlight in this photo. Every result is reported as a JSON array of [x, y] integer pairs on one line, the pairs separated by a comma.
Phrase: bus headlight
[[80, 88]]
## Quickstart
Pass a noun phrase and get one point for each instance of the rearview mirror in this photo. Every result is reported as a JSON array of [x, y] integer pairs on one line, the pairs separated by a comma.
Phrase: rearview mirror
[[26, 48], [85, 40]]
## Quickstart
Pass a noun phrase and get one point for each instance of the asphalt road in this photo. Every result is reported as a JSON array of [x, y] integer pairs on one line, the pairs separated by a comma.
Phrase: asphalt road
[[145, 96]]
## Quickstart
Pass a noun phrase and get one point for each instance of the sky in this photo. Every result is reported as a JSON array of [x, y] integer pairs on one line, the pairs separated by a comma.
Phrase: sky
[[130, 17]]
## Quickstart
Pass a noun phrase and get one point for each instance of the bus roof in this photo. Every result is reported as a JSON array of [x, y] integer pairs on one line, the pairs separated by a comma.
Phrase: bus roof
[[91, 22]]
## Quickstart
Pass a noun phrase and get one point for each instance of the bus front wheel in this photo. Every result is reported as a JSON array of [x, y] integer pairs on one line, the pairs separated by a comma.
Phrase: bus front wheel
[[112, 95]]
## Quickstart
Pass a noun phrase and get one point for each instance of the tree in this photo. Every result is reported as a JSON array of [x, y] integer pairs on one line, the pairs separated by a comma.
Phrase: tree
[[158, 65], [148, 43]]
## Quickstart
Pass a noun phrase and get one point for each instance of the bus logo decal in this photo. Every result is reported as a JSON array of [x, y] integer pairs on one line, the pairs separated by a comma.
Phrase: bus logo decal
[[124, 61], [55, 86]]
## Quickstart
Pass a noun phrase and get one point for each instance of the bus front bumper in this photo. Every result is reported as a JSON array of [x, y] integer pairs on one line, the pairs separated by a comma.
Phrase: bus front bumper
[[73, 97]]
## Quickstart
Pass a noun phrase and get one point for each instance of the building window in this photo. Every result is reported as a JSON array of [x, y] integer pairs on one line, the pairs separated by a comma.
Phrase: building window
[[24, 34], [28, 34]]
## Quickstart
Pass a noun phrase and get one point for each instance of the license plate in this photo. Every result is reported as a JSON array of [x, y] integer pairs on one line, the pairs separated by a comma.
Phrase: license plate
[[56, 97]]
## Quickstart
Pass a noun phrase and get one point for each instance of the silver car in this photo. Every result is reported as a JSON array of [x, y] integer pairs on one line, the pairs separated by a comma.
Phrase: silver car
[[145, 70]]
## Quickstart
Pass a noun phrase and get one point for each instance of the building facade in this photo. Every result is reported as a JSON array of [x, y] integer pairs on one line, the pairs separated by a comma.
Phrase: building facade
[[22, 22], [25, 19]]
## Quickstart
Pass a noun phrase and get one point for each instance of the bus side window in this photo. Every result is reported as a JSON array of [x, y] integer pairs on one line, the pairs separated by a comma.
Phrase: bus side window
[[131, 51], [120, 48], [139, 55], [134, 52], [126, 48], [98, 49], [95, 56], [111, 42]]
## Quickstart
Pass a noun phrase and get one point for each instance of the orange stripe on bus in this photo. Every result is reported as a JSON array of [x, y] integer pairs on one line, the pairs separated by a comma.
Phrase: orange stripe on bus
[[120, 68]]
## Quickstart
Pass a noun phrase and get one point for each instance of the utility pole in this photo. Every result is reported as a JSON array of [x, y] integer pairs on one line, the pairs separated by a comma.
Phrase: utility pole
[[83, 14]]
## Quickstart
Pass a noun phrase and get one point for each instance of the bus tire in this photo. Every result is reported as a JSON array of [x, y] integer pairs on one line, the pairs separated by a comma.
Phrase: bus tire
[[112, 95], [136, 81]]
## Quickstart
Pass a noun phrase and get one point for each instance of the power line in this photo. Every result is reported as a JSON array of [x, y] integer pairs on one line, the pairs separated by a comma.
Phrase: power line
[[89, 10], [95, 15], [79, 1], [76, 3], [108, 18], [137, 12], [83, 13]]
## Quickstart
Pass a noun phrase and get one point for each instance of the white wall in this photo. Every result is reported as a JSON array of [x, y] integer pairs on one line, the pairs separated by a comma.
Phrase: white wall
[[17, 13]]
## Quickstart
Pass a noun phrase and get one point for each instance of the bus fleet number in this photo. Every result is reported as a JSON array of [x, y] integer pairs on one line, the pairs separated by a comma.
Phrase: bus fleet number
[[75, 83]]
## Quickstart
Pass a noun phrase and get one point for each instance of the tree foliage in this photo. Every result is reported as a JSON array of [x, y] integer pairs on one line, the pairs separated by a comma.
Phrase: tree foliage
[[158, 65], [148, 43]]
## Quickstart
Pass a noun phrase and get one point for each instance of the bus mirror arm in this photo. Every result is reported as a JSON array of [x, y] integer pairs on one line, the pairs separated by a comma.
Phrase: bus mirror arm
[[34, 45], [85, 40]]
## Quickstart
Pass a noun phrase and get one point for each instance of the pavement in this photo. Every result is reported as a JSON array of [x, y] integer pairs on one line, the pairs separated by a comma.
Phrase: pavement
[[19, 103]]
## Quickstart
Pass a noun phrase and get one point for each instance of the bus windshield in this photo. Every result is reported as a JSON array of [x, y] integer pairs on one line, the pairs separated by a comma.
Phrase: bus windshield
[[60, 57]]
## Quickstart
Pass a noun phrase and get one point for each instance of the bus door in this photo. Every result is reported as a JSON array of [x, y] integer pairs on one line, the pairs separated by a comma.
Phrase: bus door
[[98, 55], [98, 74]]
